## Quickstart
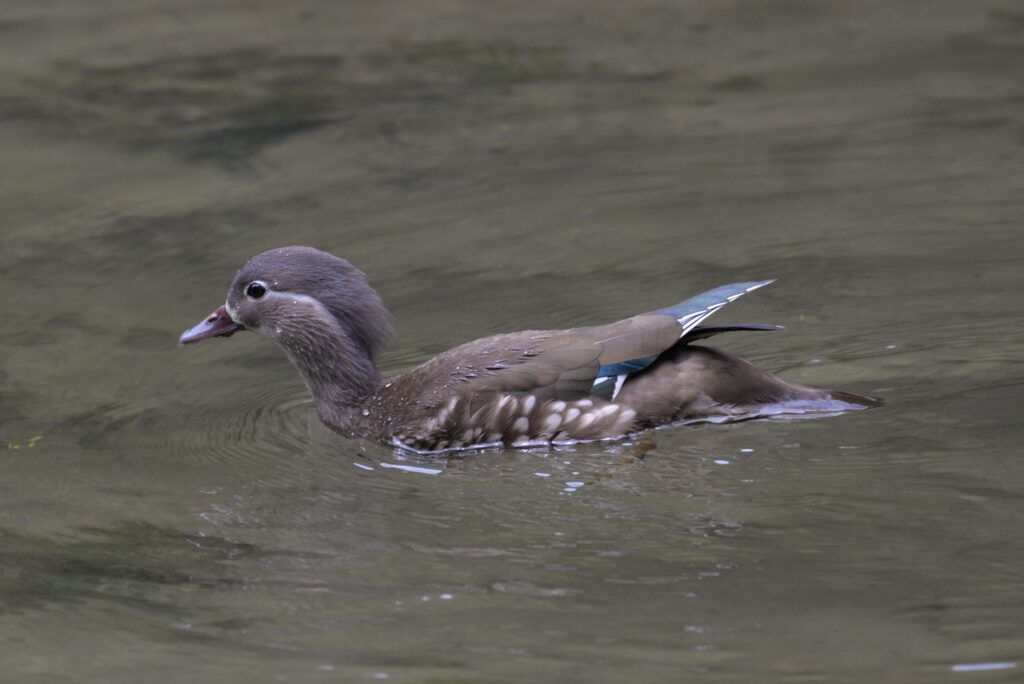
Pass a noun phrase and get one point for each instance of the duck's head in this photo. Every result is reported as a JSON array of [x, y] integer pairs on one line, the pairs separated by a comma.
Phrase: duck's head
[[318, 308]]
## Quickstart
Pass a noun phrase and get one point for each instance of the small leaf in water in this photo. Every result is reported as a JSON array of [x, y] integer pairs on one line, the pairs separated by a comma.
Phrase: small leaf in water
[[637, 452], [28, 444]]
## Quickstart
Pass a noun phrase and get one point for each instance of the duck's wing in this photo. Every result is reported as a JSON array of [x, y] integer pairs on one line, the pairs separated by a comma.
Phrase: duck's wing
[[567, 364], [704, 331], [621, 361]]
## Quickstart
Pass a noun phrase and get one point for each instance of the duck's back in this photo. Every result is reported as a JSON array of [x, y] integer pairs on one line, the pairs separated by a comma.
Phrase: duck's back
[[581, 384]]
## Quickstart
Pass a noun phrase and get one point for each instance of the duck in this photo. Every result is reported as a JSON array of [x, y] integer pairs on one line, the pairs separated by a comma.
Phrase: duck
[[518, 389]]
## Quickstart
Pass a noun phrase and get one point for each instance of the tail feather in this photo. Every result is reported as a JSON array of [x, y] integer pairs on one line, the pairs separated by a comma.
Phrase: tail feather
[[862, 400]]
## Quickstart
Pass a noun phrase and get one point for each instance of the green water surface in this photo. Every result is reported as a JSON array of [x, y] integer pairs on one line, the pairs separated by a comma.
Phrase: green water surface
[[172, 515]]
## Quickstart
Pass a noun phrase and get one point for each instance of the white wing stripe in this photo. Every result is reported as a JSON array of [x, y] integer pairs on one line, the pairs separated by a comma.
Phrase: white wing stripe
[[619, 380], [692, 320]]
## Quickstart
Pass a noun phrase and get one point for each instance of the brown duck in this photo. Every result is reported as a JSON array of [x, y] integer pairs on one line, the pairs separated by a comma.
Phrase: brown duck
[[518, 389]]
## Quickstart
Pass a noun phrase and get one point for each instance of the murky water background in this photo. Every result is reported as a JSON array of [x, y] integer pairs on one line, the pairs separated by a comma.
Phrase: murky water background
[[177, 515]]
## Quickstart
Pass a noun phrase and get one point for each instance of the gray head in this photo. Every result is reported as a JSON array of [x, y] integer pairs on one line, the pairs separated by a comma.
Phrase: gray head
[[318, 308]]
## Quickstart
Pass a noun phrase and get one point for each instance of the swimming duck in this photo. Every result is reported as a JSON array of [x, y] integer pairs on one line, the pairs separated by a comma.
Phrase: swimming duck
[[515, 389]]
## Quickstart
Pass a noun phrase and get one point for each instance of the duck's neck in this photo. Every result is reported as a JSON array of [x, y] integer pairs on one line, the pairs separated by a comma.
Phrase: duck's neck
[[339, 373]]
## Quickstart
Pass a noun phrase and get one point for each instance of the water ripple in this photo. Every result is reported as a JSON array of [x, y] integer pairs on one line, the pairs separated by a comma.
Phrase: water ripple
[[252, 432]]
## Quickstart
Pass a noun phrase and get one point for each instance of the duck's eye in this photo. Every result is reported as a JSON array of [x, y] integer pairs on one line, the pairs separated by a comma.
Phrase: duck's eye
[[255, 289]]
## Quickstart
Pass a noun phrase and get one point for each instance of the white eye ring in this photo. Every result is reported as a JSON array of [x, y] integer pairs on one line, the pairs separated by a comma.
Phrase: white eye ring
[[256, 289]]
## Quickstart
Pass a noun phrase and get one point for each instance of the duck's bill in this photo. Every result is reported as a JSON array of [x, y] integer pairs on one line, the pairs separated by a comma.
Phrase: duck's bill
[[217, 324]]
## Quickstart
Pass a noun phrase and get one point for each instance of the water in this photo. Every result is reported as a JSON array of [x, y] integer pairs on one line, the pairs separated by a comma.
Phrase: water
[[179, 515]]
